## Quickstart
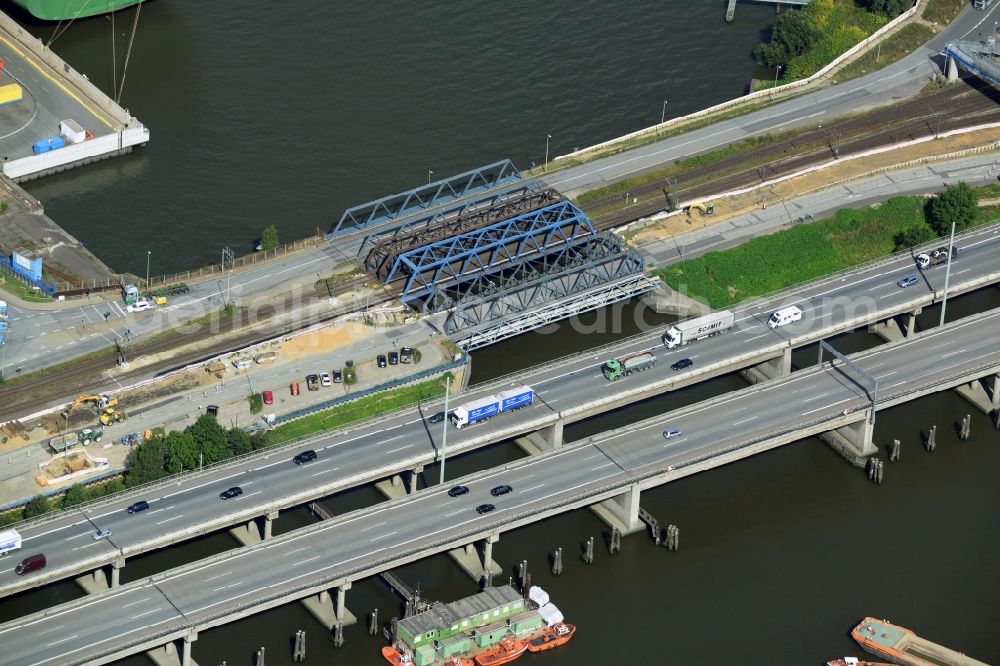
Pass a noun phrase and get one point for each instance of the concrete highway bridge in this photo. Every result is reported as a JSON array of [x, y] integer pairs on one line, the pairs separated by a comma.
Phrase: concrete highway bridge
[[567, 391], [614, 468]]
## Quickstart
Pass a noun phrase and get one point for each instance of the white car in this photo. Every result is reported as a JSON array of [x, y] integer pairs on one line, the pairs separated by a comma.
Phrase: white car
[[325, 379], [670, 433], [140, 306]]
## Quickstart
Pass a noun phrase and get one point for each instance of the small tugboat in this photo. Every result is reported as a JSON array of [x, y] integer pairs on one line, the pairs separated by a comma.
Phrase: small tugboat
[[552, 637], [506, 651], [395, 657], [854, 661], [458, 661]]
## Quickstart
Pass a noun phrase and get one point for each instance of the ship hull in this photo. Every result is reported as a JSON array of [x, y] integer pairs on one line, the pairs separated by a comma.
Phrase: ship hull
[[61, 10]]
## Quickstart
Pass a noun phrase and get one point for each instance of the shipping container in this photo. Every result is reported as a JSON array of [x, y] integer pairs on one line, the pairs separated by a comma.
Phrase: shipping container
[[9, 540], [516, 398], [70, 129], [690, 330], [45, 145], [10, 93]]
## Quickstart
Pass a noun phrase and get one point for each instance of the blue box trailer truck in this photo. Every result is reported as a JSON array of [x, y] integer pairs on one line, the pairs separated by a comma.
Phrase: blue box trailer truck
[[488, 407]]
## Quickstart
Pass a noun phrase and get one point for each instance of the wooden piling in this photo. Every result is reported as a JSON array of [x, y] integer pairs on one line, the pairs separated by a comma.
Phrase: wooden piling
[[557, 565], [338, 636], [373, 623], [300, 646], [588, 551], [260, 656], [615, 542]]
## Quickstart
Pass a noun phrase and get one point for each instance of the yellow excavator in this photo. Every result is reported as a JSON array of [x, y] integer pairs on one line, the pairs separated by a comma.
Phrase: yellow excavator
[[706, 208], [100, 401]]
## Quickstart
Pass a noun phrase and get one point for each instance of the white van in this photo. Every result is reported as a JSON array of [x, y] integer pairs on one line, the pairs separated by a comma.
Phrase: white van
[[784, 316]]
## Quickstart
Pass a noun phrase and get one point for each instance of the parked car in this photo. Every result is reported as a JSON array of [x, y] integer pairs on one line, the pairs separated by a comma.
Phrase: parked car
[[213, 410], [141, 505], [670, 433], [681, 364], [140, 305], [312, 382], [338, 376], [235, 491], [304, 457], [268, 397], [405, 355], [294, 388], [393, 358], [325, 379], [907, 281], [436, 418], [484, 508], [101, 534], [458, 490], [501, 490], [380, 360]]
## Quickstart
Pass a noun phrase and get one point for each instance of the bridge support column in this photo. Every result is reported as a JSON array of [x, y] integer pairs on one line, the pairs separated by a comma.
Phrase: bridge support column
[[772, 369], [468, 559], [268, 519], [951, 70], [100, 580], [116, 567], [888, 330], [168, 656], [321, 607], [414, 477], [621, 511], [853, 441], [985, 400], [393, 487], [545, 439], [911, 322], [248, 534]]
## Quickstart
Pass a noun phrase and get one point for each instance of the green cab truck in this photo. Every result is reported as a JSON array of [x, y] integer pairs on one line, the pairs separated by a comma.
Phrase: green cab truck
[[617, 368]]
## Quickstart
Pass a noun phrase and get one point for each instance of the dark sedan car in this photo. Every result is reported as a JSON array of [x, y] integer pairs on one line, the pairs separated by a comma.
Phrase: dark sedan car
[[458, 490], [681, 364], [436, 418], [501, 490], [380, 360], [235, 491], [304, 457], [141, 505], [484, 508]]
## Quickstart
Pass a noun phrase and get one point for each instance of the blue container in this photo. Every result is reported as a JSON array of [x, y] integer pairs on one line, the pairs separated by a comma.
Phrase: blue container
[[512, 400], [484, 412], [45, 145]]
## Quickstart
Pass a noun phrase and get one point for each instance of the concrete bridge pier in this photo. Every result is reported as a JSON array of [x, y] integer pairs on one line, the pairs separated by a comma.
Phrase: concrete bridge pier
[[951, 70], [99, 580], [168, 656], [911, 322], [395, 487], [986, 399], [545, 439], [268, 519], [412, 480], [249, 534], [888, 330], [853, 441], [621, 511], [468, 558], [322, 608], [774, 368]]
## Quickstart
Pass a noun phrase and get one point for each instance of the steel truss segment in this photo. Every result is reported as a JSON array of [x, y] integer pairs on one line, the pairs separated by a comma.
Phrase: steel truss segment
[[485, 249], [590, 258], [627, 288], [434, 194], [977, 58], [516, 299], [382, 254]]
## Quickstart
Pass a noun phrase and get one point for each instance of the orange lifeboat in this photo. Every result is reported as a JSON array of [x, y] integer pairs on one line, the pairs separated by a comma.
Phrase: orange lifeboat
[[397, 658], [506, 651], [553, 636]]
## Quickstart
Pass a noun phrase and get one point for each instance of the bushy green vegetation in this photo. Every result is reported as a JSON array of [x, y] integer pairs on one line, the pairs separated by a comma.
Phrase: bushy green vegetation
[[944, 11], [269, 239], [894, 47], [360, 409], [805, 41], [808, 251], [256, 403]]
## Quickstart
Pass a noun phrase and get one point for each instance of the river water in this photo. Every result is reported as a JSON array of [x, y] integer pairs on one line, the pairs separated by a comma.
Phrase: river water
[[288, 116]]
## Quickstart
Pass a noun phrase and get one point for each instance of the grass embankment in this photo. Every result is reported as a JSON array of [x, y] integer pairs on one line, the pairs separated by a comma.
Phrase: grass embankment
[[360, 409], [899, 45], [805, 252], [944, 11], [22, 291]]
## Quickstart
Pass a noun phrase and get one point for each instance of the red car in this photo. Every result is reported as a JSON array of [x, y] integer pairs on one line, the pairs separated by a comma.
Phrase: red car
[[295, 388], [268, 398]]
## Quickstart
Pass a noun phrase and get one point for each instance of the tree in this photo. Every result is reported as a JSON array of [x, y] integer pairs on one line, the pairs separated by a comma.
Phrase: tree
[[76, 494], [792, 36], [890, 8], [38, 505], [238, 442], [958, 204], [210, 439], [146, 462], [269, 238], [182, 451], [921, 233]]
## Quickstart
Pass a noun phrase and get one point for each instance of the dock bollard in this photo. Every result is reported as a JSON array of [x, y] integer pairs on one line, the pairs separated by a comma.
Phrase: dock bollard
[[588, 551], [373, 623], [557, 565], [895, 450], [615, 542]]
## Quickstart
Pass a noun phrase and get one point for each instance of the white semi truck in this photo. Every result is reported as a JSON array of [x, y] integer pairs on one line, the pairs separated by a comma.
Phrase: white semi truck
[[9, 540], [690, 330]]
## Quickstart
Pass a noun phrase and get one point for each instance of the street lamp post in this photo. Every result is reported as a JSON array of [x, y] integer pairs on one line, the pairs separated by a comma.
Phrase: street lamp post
[[149, 253], [776, 70], [429, 174], [444, 426], [947, 273], [663, 116], [547, 137]]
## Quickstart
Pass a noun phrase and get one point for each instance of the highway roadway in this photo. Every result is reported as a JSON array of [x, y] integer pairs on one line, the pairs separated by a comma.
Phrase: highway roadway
[[188, 506], [896, 81], [126, 620]]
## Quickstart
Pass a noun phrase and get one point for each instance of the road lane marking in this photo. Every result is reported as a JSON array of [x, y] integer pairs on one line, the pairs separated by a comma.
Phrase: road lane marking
[[149, 612], [747, 420], [371, 527], [62, 640], [169, 519], [817, 397], [383, 536], [219, 576]]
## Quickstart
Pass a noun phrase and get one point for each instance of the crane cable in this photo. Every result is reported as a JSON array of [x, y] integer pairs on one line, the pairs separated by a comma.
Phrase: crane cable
[[128, 53]]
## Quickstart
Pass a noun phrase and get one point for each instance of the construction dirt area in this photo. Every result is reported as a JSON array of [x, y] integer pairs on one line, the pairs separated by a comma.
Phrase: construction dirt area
[[833, 174]]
